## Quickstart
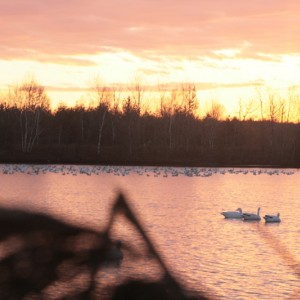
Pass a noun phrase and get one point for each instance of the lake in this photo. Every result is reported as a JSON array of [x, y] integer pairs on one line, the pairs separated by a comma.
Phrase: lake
[[180, 210]]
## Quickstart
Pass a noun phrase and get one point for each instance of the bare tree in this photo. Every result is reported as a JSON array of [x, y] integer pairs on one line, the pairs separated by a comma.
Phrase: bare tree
[[297, 104], [282, 110], [163, 99], [189, 98], [137, 92], [274, 110], [171, 114], [190, 106], [137, 89], [260, 98], [291, 104], [273, 107], [247, 109], [31, 100], [115, 101], [215, 110], [102, 93], [214, 113]]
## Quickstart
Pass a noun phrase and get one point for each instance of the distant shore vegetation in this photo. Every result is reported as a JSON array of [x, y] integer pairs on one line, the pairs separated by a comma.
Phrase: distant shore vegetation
[[123, 127]]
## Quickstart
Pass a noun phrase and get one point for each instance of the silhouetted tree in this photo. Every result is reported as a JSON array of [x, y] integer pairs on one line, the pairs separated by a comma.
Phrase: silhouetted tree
[[118, 130], [102, 94], [32, 102]]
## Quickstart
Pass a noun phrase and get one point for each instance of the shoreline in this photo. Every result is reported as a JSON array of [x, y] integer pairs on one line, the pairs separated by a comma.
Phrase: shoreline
[[147, 164]]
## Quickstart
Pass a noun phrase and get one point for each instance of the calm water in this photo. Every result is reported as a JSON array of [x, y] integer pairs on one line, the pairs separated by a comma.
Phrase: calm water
[[230, 259]]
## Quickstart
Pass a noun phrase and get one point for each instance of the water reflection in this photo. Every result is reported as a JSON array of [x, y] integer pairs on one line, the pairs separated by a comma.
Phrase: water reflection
[[42, 257], [232, 259]]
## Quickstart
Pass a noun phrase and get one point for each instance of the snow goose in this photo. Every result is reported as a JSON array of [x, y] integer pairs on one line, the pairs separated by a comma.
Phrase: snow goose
[[237, 214], [251, 216], [272, 218]]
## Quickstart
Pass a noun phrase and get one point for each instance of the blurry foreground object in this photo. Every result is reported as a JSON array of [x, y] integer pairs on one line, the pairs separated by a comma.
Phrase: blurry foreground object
[[44, 258]]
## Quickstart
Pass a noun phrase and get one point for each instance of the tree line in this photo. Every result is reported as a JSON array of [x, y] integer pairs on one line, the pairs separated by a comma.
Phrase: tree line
[[119, 130]]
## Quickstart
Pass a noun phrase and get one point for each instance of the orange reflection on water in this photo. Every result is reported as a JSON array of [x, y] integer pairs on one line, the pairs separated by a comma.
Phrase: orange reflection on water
[[231, 259]]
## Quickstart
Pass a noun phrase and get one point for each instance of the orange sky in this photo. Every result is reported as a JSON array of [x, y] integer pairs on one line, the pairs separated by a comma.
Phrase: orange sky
[[220, 44]]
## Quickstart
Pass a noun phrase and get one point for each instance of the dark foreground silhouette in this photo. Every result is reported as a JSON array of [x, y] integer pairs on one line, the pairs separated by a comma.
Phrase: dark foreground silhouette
[[44, 258]]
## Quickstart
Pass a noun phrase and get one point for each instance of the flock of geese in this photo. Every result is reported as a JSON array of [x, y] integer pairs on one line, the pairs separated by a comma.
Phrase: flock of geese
[[74, 170], [238, 214]]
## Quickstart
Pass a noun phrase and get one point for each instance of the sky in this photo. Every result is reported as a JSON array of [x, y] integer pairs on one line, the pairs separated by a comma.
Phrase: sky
[[227, 47]]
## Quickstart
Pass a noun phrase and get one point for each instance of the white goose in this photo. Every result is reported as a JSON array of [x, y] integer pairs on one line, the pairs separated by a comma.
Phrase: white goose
[[251, 216], [237, 214], [272, 218]]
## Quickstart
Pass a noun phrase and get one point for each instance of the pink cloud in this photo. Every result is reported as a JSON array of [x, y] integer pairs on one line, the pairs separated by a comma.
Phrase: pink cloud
[[54, 28]]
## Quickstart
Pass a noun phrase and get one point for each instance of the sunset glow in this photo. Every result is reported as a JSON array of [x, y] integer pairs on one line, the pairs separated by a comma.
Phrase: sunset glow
[[227, 48]]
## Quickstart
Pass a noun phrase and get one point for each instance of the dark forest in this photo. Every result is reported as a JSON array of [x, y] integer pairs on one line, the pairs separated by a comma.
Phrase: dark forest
[[115, 132]]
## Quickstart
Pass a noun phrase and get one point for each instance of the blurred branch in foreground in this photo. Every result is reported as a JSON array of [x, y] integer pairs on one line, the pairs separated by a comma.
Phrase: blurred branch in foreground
[[44, 258]]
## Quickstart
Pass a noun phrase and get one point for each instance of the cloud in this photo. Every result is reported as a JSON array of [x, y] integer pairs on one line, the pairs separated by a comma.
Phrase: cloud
[[213, 85], [30, 54], [200, 86], [57, 29], [66, 89]]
